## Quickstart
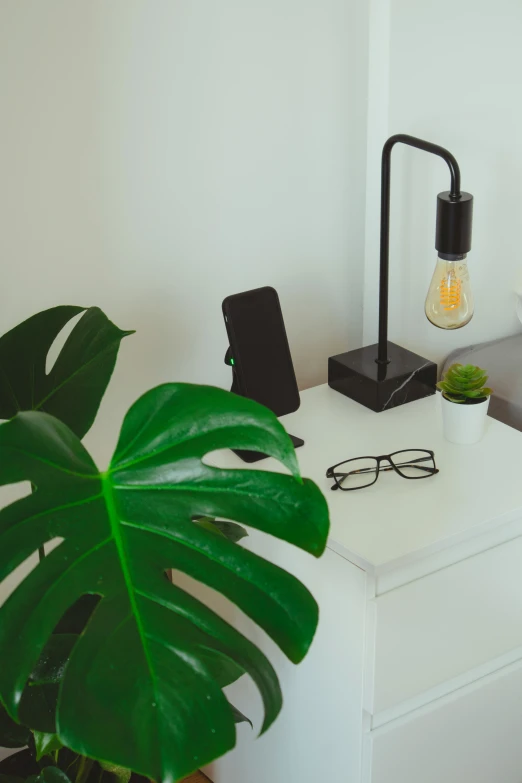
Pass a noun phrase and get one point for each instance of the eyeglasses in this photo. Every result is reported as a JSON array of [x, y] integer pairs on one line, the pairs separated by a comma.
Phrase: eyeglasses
[[364, 471]]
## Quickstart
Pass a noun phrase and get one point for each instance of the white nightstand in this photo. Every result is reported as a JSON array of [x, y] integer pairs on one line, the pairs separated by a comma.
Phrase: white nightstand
[[415, 675]]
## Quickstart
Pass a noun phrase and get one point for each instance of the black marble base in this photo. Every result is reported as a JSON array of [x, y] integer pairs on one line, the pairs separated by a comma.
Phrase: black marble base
[[407, 377]]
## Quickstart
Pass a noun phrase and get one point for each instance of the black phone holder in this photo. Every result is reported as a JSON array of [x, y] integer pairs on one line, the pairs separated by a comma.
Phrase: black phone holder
[[250, 456]]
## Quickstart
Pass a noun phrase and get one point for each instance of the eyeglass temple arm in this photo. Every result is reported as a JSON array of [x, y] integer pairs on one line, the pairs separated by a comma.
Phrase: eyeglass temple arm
[[340, 477], [330, 471]]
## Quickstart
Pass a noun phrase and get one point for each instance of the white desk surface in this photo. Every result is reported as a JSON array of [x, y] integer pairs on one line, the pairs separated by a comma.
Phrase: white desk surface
[[395, 520]]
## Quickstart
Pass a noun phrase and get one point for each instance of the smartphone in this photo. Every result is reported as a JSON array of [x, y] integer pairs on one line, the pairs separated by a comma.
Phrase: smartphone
[[259, 349]]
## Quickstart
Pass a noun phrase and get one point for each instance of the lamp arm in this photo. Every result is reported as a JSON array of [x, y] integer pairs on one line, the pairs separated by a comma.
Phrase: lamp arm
[[455, 195]]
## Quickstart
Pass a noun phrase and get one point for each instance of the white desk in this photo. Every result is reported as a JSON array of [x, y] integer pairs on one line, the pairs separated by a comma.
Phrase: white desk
[[415, 674]]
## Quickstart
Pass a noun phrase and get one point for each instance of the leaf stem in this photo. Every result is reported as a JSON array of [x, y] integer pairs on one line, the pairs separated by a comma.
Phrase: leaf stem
[[84, 769], [73, 762]]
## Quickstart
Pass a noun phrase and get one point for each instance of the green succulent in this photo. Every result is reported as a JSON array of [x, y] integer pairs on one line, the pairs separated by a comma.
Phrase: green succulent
[[464, 382]]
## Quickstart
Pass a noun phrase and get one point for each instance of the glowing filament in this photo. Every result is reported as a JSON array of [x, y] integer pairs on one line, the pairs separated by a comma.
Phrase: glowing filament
[[450, 292]]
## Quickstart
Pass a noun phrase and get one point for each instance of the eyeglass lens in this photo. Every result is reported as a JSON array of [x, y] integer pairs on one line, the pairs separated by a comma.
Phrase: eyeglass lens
[[413, 463], [356, 473]]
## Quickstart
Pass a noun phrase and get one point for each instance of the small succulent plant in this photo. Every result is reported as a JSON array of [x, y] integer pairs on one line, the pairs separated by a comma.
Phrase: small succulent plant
[[464, 382]]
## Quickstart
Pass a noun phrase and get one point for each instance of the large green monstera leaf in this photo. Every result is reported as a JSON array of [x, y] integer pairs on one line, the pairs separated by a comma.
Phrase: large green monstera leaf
[[139, 688], [74, 388]]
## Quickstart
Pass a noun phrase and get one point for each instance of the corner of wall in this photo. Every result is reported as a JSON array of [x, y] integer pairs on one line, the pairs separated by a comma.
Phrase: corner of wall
[[377, 132]]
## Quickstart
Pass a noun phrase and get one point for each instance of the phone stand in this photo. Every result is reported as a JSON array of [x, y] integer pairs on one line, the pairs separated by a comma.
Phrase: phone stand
[[250, 456]]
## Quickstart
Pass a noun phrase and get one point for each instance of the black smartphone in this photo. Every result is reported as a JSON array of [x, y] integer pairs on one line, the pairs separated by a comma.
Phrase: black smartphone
[[259, 349]]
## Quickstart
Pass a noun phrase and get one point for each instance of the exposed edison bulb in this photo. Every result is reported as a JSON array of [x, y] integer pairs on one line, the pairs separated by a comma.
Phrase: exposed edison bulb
[[449, 303]]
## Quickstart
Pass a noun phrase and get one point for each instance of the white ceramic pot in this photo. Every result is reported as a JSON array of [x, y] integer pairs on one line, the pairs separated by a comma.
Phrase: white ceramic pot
[[464, 423]]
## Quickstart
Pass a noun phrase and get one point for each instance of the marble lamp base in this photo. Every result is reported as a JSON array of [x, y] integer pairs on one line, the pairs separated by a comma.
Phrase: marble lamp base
[[405, 378]]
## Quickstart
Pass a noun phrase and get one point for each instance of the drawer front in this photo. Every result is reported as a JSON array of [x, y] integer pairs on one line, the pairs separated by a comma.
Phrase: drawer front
[[471, 738], [318, 736], [439, 627]]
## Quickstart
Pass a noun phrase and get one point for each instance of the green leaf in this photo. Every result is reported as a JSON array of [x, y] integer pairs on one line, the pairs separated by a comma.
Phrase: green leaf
[[230, 530], [224, 671], [12, 735], [45, 744], [121, 774], [139, 690], [38, 705], [239, 717], [76, 384], [464, 381], [53, 775], [76, 617], [40, 697], [452, 398], [207, 523], [51, 664]]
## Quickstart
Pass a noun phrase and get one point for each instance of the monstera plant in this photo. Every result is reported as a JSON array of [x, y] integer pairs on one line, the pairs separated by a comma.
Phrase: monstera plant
[[109, 664]]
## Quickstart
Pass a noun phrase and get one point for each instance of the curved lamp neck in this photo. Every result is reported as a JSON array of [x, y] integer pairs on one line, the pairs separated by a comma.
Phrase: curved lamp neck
[[454, 196]]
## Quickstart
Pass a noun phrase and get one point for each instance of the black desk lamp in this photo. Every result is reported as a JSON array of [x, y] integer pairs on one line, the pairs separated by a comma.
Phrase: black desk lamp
[[385, 375]]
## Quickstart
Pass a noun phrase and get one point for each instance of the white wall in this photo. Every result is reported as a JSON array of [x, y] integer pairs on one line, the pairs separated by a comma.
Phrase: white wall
[[449, 71], [158, 155]]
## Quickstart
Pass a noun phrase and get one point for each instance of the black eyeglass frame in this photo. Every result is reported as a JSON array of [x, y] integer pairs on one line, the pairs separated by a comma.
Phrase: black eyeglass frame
[[430, 471]]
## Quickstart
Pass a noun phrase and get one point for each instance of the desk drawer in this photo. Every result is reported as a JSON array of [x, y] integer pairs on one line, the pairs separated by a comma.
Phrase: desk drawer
[[448, 623], [472, 737]]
